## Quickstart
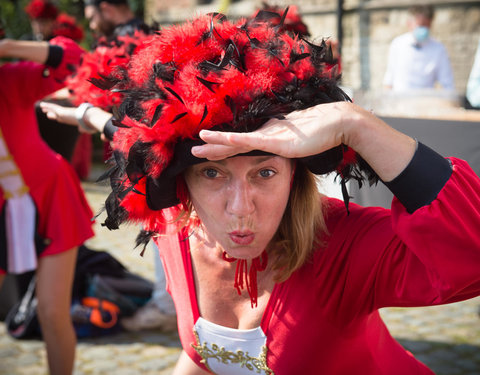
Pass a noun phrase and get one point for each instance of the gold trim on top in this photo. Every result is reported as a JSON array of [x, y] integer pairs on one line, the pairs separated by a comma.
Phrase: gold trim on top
[[253, 364]]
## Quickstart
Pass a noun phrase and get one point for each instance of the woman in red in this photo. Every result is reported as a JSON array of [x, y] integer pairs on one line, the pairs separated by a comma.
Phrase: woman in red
[[220, 133], [45, 215]]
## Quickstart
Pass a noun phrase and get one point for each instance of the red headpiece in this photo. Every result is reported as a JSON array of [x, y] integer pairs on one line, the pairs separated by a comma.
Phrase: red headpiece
[[107, 60], [210, 73], [41, 9], [66, 26]]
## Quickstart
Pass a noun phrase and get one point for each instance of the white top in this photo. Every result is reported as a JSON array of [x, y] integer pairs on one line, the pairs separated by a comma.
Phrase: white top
[[413, 66], [230, 351], [19, 215]]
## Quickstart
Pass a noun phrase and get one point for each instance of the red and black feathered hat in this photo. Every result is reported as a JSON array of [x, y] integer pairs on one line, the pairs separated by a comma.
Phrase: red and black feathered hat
[[109, 59], [41, 9], [210, 73], [66, 26]]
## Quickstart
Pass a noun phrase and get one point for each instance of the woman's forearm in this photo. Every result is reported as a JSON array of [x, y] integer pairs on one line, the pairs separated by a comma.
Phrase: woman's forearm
[[97, 118], [25, 49], [385, 149]]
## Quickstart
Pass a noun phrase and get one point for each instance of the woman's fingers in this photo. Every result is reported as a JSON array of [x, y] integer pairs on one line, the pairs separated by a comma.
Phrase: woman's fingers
[[217, 151], [56, 112], [300, 133]]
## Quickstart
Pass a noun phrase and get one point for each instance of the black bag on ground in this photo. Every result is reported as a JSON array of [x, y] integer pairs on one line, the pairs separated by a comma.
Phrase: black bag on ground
[[97, 274], [21, 321]]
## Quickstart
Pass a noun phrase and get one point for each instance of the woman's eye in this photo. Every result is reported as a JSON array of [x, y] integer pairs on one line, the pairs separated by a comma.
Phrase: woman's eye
[[210, 173], [266, 173]]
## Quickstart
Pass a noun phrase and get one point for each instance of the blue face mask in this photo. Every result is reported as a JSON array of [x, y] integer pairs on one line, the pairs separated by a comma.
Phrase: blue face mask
[[421, 33]]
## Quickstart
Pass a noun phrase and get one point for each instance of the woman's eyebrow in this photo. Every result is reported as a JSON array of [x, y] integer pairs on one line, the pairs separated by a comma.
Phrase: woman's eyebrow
[[258, 159]]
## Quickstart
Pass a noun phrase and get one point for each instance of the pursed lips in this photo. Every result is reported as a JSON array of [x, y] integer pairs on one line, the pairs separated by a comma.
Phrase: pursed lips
[[242, 237]]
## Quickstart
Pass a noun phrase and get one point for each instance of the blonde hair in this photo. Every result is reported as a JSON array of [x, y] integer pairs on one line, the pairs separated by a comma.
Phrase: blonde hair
[[301, 229]]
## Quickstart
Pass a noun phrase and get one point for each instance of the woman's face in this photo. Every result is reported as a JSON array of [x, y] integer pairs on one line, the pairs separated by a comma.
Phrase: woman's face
[[240, 200]]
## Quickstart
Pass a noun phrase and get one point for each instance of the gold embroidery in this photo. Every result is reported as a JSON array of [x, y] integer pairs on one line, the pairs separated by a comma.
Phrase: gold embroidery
[[226, 356], [12, 172]]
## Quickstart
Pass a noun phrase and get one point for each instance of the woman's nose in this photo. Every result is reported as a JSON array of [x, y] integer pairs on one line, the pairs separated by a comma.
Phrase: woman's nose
[[240, 199]]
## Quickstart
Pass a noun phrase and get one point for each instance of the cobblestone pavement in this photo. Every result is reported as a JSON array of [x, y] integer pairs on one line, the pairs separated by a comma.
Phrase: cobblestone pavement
[[446, 338]]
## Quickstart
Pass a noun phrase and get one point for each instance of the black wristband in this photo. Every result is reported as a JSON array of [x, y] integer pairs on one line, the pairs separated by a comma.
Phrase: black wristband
[[55, 56], [420, 182], [109, 129]]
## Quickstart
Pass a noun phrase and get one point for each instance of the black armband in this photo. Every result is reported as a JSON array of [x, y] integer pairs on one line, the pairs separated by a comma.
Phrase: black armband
[[420, 182], [109, 129], [55, 56]]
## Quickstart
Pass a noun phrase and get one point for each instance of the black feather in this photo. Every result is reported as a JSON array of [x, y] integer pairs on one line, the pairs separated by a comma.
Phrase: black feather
[[208, 66], [178, 117], [165, 72], [282, 20], [174, 94], [266, 15], [156, 115], [208, 84], [119, 124], [205, 113], [143, 238], [104, 83], [294, 57], [135, 167], [346, 196], [107, 174]]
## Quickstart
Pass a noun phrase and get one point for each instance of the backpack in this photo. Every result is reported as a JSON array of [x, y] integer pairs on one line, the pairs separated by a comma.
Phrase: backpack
[[103, 291]]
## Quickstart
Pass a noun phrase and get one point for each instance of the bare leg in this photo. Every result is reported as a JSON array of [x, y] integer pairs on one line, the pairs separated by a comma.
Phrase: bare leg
[[54, 294]]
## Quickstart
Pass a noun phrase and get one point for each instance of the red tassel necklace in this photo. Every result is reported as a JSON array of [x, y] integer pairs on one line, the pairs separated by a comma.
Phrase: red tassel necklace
[[249, 277]]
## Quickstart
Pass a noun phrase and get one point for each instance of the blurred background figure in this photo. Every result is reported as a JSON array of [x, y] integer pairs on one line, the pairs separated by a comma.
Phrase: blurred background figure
[[112, 18], [47, 22], [473, 84], [66, 25], [416, 61], [42, 15]]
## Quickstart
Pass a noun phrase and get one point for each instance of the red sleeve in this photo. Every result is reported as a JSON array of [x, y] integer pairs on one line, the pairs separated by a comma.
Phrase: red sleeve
[[394, 258], [35, 81], [445, 235], [70, 58]]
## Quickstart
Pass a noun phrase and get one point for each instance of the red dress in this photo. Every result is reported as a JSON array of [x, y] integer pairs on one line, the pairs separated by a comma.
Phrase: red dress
[[324, 319], [63, 214]]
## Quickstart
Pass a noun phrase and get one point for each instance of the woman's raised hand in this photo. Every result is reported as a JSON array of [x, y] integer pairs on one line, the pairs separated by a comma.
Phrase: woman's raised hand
[[317, 129], [300, 133]]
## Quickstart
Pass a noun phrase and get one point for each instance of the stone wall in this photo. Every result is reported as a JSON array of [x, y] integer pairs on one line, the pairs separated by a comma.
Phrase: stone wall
[[368, 28]]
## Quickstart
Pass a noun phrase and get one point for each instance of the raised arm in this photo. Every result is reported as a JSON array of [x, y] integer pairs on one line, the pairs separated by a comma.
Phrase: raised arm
[[317, 129], [89, 119], [44, 65], [25, 49]]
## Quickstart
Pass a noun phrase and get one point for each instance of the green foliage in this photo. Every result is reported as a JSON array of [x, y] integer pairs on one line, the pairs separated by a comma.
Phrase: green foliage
[[15, 21]]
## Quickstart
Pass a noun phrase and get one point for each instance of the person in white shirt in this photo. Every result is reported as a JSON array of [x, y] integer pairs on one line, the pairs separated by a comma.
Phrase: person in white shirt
[[473, 84], [416, 61]]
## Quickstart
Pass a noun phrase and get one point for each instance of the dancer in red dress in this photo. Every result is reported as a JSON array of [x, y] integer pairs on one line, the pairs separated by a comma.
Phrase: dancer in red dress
[[45, 215]]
